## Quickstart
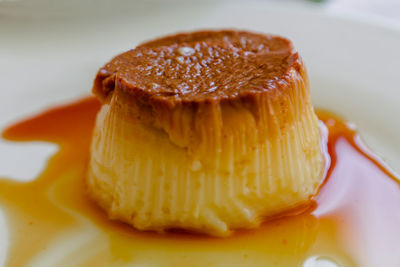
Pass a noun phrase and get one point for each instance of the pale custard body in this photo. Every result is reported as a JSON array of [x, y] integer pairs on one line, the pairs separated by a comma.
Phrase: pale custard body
[[210, 168]]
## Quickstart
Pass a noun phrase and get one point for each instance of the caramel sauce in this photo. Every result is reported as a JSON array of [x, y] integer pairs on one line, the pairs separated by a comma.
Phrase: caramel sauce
[[201, 66], [355, 221]]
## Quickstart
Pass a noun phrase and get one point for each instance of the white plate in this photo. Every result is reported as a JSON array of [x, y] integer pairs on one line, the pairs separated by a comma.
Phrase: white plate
[[50, 54]]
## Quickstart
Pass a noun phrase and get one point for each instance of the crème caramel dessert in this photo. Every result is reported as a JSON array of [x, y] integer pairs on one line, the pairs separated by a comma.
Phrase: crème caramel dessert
[[208, 132]]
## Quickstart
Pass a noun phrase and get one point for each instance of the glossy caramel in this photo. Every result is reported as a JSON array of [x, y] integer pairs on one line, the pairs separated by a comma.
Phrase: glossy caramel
[[354, 222], [202, 66]]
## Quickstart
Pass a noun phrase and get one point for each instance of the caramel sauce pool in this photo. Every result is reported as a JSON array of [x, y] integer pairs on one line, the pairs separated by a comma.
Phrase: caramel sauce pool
[[51, 222]]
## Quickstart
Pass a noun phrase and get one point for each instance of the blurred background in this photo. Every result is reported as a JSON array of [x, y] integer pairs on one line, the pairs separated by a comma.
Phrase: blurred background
[[389, 9]]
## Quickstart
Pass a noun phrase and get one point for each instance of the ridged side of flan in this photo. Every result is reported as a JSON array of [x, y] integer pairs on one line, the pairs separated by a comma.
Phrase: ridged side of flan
[[208, 162]]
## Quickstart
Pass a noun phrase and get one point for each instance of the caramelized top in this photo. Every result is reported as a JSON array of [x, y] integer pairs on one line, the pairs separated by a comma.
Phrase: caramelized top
[[201, 66]]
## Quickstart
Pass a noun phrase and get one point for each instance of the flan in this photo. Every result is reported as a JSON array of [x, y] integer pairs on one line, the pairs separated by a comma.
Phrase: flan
[[207, 131]]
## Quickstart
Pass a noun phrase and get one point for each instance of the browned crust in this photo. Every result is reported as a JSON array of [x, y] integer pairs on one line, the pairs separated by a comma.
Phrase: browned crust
[[112, 76]]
